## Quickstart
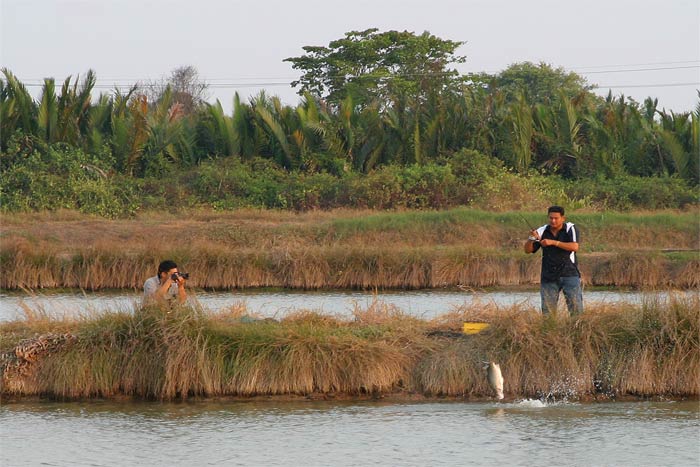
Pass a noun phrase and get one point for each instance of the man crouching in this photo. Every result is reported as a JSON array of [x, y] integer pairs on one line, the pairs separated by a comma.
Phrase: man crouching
[[167, 286]]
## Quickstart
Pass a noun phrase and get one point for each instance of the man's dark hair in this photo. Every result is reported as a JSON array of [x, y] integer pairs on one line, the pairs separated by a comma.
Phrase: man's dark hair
[[558, 209], [166, 266]]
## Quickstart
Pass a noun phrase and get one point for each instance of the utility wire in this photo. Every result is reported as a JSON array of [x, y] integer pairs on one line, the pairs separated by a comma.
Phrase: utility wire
[[660, 85], [579, 68], [227, 83], [255, 85], [635, 64], [255, 82], [643, 69]]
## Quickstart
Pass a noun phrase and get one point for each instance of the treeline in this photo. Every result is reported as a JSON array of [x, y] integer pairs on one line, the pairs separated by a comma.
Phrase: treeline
[[404, 127]]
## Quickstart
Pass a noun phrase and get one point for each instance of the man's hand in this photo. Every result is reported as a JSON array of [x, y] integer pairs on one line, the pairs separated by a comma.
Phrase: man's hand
[[181, 292], [529, 246]]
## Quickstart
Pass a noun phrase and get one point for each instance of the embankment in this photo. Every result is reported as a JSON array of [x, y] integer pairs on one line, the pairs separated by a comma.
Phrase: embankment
[[339, 249], [610, 351]]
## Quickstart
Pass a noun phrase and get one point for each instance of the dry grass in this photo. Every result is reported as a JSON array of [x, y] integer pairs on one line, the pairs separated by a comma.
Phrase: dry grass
[[651, 349], [338, 249]]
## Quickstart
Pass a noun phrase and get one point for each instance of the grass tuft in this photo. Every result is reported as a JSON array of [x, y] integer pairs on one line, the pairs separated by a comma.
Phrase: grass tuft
[[649, 349]]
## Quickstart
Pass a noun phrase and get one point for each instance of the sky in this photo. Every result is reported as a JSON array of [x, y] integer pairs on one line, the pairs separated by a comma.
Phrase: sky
[[638, 48]]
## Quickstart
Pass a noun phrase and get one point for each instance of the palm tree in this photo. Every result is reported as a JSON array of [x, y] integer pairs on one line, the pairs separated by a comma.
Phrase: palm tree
[[520, 117], [560, 133], [129, 129], [247, 140], [169, 138], [100, 124], [17, 109], [47, 118], [73, 107], [274, 120], [219, 130]]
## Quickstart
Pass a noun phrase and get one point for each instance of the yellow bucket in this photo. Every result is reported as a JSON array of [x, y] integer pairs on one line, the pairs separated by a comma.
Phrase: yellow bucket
[[474, 328]]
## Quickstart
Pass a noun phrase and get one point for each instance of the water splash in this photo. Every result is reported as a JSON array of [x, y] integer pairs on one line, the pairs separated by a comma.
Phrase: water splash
[[563, 389], [531, 403]]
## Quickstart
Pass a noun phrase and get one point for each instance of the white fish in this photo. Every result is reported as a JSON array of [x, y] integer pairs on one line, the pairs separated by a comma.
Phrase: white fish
[[495, 378]]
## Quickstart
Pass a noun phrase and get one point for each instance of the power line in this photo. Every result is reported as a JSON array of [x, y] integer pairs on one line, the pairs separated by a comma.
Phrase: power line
[[660, 85], [255, 85], [582, 70], [214, 86], [635, 64], [643, 69], [255, 80], [228, 83]]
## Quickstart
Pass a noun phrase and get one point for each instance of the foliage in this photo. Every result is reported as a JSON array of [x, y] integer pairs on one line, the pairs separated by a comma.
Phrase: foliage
[[538, 84], [628, 192], [378, 66], [384, 122], [65, 178], [57, 177]]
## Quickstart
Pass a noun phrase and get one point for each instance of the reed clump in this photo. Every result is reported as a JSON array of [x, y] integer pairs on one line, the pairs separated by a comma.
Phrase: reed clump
[[651, 349]]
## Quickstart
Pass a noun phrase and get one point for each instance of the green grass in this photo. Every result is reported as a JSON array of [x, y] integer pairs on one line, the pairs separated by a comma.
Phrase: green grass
[[410, 220]]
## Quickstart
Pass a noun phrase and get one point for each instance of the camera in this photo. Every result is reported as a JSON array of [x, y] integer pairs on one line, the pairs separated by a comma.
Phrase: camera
[[176, 275]]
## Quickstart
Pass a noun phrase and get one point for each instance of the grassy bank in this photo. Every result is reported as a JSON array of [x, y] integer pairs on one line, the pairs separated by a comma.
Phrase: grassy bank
[[339, 249], [611, 351]]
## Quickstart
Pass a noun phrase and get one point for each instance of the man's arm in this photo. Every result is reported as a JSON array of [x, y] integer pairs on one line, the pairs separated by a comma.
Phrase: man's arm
[[154, 290], [163, 289], [181, 292], [568, 246], [532, 244]]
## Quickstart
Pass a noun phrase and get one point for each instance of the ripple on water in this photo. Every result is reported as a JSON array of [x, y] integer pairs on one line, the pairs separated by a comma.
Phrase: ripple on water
[[536, 432]]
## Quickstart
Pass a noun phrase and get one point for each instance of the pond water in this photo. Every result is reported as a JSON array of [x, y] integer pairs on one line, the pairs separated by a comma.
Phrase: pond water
[[276, 303], [349, 434]]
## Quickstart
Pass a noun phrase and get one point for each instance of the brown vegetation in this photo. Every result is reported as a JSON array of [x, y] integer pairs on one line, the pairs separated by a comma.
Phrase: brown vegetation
[[610, 351], [339, 249]]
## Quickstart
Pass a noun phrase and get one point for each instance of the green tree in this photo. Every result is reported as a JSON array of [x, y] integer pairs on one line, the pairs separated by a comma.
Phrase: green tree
[[520, 117], [18, 112], [541, 84], [378, 66]]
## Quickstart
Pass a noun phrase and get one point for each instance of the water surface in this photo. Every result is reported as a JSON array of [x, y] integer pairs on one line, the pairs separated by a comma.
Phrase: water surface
[[277, 303], [349, 434]]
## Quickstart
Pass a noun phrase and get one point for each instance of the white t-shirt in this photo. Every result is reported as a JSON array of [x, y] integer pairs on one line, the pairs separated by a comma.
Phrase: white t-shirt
[[152, 284]]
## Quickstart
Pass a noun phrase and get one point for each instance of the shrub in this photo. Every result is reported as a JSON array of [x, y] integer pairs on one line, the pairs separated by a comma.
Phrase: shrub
[[628, 192], [65, 178]]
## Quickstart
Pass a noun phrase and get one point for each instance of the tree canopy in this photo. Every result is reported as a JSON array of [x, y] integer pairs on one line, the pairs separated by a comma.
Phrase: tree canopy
[[540, 84], [378, 66]]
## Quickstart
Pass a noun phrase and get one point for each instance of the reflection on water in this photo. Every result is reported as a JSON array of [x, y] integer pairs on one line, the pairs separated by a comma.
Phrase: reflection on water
[[357, 433], [423, 303]]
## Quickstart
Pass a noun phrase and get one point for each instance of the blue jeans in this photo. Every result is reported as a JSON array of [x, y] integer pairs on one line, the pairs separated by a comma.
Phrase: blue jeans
[[571, 286]]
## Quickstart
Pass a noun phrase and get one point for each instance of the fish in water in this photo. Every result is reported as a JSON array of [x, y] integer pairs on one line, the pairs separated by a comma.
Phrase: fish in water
[[495, 378]]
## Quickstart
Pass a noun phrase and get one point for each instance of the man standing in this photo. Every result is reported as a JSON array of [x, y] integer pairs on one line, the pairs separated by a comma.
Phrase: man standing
[[559, 241], [167, 286]]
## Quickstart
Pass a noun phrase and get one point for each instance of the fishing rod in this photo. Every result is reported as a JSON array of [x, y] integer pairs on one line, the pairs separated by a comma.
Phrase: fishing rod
[[532, 229]]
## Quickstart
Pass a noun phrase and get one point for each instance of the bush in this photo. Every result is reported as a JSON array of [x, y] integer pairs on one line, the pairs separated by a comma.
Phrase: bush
[[37, 177], [65, 178], [628, 192]]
